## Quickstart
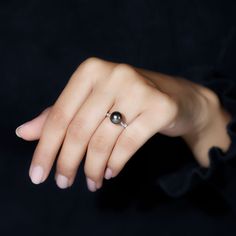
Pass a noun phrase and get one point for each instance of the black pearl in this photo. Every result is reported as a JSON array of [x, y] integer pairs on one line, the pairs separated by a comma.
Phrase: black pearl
[[116, 117]]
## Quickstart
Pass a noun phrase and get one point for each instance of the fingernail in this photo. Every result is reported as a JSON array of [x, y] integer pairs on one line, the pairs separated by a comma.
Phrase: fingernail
[[62, 181], [36, 174], [17, 131], [108, 173], [91, 185]]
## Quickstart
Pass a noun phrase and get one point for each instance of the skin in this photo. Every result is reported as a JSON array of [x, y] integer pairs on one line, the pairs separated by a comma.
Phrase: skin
[[75, 126]]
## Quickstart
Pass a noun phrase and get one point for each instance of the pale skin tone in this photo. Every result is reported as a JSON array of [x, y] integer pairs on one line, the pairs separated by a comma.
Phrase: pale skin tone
[[76, 126]]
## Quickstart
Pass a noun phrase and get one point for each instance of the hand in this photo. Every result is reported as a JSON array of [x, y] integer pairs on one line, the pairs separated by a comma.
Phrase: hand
[[76, 123]]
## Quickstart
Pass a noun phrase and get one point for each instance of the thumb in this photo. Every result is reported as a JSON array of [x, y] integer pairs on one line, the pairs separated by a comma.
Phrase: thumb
[[31, 130]]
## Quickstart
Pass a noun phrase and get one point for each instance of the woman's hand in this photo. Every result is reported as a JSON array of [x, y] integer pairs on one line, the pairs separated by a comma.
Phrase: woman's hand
[[77, 125]]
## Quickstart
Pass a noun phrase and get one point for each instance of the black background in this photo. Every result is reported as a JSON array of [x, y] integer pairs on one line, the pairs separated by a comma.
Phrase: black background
[[41, 44]]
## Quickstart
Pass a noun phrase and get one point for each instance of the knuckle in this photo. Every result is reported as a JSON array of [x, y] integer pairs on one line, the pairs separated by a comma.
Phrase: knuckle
[[123, 73], [92, 68], [91, 61], [128, 143], [123, 69], [99, 144], [91, 64], [77, 130], [58, 118]]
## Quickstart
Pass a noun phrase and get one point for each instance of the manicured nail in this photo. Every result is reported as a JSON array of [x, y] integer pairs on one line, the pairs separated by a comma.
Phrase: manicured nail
[[62, 181], [108, 173], [36, 174], [91, 185], [17, 131]]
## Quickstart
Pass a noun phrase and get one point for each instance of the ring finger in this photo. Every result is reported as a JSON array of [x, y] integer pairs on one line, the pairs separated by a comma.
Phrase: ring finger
[[103, 141]]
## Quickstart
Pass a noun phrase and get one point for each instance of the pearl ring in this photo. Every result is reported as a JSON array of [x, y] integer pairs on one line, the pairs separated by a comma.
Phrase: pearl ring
[[116, 118]]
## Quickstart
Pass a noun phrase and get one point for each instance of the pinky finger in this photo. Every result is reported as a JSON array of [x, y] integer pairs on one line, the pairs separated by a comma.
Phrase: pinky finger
[[31, 130]]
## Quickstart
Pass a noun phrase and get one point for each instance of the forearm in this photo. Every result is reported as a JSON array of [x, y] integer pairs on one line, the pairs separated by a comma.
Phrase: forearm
[[212, 131]]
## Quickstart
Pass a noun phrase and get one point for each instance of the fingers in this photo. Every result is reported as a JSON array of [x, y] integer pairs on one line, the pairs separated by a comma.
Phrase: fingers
[[82, 128], [72, 97], [32, 129], [88, 120], [105, 137], [91, 130], [79, 132], [100, 148]]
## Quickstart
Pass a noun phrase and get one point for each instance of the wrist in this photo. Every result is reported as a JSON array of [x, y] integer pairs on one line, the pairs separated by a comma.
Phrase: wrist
[[209, 127]]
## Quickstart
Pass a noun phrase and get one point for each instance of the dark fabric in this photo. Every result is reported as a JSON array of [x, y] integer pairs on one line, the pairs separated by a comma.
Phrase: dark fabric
[[42, 43]]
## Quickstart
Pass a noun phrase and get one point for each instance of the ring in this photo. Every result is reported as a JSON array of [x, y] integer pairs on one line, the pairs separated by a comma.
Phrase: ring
[[116, 118]]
